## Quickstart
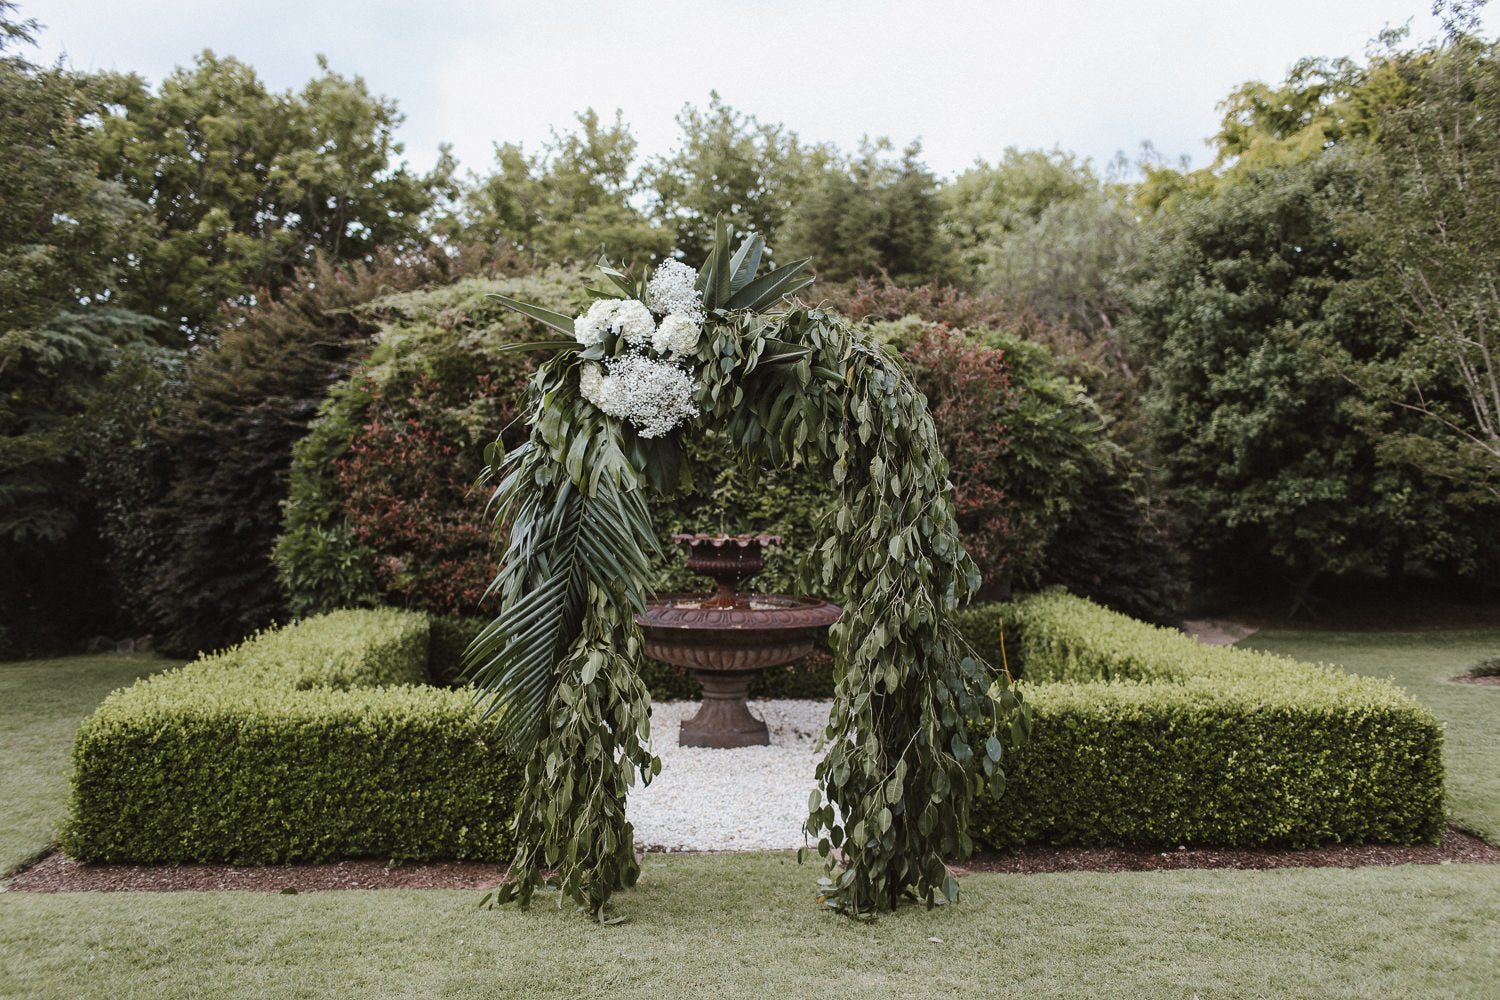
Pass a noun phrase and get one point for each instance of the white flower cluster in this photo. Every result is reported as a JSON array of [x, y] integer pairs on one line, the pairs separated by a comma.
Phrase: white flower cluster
[[677, 335], [624, 317], [671, 290], [654, 395]]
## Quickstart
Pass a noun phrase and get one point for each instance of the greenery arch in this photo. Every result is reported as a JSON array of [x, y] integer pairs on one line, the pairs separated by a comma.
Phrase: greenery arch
[[557, 667]]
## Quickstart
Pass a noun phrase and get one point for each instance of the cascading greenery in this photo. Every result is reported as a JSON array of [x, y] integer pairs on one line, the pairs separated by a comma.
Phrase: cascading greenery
[[558, 666]]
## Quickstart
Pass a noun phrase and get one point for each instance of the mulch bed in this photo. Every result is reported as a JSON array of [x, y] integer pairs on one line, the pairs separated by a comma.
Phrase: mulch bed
[[1456, 847], [1493, 680], [58, 873]]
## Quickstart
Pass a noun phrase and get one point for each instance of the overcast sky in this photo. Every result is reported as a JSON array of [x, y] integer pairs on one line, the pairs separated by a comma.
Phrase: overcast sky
[[966, 78]]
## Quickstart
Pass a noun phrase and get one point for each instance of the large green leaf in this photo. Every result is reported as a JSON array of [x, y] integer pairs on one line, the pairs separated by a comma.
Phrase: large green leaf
[[557, 321], [559, 545], [771, 286], [746, 262]]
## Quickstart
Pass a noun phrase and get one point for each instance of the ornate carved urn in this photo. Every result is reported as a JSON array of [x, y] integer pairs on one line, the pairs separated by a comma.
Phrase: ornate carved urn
[[726, 636]]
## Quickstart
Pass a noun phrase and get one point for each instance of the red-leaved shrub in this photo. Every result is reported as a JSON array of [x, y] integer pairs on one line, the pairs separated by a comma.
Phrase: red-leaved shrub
[[408, 486]]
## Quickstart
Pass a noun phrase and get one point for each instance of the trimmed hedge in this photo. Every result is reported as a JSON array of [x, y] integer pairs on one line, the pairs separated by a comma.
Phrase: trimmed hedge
[[324, 740], [318, 741], [1143, 736]]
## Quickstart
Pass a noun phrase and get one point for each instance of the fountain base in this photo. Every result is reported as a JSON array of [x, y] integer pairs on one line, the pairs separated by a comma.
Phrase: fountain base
[[724, 720]]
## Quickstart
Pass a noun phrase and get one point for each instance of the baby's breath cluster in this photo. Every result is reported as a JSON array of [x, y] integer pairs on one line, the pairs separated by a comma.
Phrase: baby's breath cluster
[[673, 289], [653, 395]]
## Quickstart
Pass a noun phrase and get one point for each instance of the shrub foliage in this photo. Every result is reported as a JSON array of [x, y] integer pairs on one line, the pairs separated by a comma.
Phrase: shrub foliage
[[309, 743], [1143, 736]]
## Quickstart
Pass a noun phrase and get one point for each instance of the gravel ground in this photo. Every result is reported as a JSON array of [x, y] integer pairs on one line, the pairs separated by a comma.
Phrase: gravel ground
[[742, 799]]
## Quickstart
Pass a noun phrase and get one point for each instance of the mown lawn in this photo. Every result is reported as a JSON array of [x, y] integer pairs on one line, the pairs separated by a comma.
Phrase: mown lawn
[[41, 704], [747, 925]]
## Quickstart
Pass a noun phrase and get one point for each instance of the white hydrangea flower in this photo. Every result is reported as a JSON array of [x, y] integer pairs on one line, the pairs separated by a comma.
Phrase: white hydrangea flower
[[632, 320], [677, 335], [671, 291], [589, 378], [589, 328], [604, 391], [625, 317]]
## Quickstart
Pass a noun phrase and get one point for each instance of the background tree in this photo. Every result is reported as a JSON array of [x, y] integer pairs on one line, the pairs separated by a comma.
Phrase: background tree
[[572, 202], [873, 215], [66, 237], [1430, 226], [1044, 231], [1260, 439], [244, 404], [732, 165], [246, 185]]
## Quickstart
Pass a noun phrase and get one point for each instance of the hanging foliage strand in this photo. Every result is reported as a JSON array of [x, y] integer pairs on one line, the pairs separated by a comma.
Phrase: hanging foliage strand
[[558, 666]]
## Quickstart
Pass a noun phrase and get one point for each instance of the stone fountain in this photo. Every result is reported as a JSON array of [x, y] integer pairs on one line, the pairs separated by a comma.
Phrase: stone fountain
[[726, 637]]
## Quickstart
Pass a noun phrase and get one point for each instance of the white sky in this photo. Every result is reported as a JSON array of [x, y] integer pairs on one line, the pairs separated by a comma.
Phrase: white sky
[[967, 78]]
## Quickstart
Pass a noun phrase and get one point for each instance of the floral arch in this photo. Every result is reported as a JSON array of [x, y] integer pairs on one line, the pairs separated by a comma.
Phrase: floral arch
[[557, 667]]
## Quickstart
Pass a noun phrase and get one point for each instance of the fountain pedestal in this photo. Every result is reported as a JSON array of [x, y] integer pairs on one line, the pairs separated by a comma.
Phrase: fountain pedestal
[[724, 720], [727, 637]]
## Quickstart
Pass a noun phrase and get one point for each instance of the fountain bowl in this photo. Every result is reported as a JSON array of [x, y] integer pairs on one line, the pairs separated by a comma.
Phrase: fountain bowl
[[726, 637]]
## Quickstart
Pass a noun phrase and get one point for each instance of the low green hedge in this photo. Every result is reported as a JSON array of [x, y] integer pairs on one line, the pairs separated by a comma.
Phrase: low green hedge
[[324, 740], [318, 741], [1143, 736]]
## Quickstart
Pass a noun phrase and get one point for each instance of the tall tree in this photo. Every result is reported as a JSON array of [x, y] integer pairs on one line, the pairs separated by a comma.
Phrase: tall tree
[[246, 185], [876, 214], [1043, 228], [1432, 225], [734, 166], [246, 401], [66, 237], [1262, 442], [570, 202]]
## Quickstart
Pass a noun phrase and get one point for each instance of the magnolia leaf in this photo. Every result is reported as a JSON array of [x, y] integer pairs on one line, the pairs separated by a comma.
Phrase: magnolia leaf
[[772, 286], [557, 321], [539, 345], [746, 262]]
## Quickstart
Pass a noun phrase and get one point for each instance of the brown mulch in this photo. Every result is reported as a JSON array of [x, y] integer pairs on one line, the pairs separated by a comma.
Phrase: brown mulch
[[1492, 680], [1456, 848], [58, 873]]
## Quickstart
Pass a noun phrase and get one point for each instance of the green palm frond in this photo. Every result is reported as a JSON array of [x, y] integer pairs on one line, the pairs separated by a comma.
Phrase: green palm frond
[[563, 545]]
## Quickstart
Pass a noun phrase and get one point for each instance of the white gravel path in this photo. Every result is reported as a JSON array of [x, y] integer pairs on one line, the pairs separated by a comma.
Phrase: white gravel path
[[742, 799]]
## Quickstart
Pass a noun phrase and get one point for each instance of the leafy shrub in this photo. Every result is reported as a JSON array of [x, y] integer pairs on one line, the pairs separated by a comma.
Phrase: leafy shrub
[[1019, 438], [409, 500], [1488, 667], [381, 507], [1143, 736], [246, 401], [308, 743], [1116, 547]]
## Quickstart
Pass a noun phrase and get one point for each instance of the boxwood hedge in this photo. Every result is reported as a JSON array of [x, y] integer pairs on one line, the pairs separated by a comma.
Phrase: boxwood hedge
[[318, 741], [326, 740], [1143, 736]]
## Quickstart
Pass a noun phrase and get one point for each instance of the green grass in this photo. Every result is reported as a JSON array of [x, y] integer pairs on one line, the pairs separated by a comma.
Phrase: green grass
[[41, 704], [1422, 663], [745, 926]]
